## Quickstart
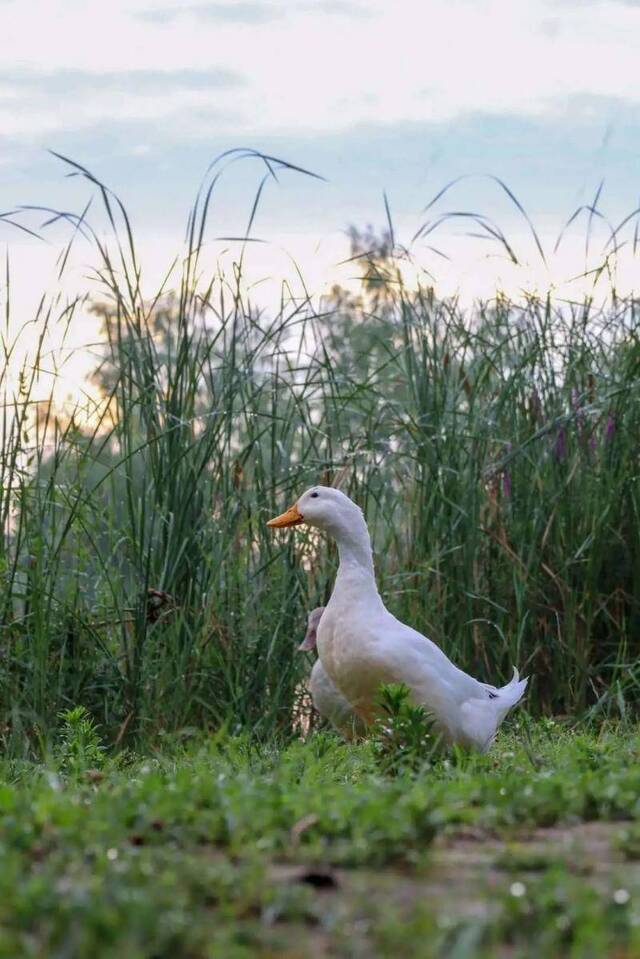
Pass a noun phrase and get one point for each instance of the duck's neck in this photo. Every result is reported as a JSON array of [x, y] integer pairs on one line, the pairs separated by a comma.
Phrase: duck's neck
[[356, 560]]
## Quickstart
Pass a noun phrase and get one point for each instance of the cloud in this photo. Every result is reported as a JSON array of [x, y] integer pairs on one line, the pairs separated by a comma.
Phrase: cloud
[[345, 8], [582, 3], [244, 11], [36, 105], [77, 82], [313, 65], [251, 12]]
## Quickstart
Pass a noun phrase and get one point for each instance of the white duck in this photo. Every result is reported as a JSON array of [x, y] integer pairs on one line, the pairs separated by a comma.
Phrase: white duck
[[327, 699], [361, 645]]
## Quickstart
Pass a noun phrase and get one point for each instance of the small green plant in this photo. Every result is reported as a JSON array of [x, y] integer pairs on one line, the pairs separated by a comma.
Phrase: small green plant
[[627, 842], [404, 738], [520, 857], [80, 747]]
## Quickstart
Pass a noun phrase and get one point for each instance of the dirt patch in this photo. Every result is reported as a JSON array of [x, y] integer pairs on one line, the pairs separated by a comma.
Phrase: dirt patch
[[467, 873]]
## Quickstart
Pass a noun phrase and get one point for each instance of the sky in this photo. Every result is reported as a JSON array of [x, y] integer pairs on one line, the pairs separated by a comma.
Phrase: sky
[[397, 98]]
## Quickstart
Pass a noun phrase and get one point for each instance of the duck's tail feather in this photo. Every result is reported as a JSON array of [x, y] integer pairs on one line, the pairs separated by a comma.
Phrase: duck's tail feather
[[482, 717], [510, 694]]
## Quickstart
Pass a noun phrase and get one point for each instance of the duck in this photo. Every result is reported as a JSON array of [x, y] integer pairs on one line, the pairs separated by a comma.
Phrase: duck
[[361, 645], [327, 700]]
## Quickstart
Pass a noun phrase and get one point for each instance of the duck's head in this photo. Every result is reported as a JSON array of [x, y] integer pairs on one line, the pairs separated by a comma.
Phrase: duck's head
[[313, 621], [324, 507]]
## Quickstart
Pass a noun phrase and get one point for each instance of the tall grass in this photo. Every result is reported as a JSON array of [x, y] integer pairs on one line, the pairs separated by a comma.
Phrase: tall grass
[[494, 451]]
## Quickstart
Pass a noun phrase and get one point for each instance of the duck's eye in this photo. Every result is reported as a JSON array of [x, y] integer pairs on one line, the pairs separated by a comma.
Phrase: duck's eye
[[314, 495]]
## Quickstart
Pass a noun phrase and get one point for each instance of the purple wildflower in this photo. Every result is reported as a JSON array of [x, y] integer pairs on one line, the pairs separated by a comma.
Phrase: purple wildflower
[[610, 429], [560, 445], [535, 406], [581, 420], [506, 477]]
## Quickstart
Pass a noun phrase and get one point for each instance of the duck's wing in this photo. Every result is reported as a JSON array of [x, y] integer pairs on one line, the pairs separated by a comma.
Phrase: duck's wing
[[427, 656], [470, 711], [433, 680]]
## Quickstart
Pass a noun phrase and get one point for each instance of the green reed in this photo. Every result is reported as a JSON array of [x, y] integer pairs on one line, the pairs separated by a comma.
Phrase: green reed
[[494, 451]]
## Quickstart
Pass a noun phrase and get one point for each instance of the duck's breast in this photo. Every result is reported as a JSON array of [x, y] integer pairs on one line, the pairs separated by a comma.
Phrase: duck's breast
[[355, 654]]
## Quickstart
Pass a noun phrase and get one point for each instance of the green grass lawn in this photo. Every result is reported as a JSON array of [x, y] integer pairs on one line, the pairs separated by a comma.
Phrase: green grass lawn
[[219, 848]]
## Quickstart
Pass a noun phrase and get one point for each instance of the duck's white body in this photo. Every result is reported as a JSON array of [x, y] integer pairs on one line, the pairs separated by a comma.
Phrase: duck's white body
[[328, 701], [332, 705], [361, 645]]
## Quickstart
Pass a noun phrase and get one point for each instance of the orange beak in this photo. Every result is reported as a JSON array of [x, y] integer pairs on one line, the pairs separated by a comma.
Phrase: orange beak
[[292, 517]]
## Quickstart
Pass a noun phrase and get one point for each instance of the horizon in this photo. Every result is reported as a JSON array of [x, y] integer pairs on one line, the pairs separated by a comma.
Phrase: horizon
[[338, 87], [387, 116]]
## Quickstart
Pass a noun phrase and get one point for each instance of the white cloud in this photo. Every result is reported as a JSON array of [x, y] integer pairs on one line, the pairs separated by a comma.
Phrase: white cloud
[[20, 120], [38, 103], [317, 68], [240, 11]]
